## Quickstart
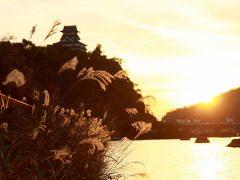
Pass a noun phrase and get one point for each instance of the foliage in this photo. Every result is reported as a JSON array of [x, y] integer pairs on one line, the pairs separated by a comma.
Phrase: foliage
[[41, 68], [58, 144], [51, 141]]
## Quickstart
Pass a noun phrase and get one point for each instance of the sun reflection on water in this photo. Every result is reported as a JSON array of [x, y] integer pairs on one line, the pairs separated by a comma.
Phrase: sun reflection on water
[[207, 161], [186, 160]]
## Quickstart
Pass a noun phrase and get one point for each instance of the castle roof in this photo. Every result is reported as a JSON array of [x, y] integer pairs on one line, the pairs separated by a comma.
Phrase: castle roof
[[70, 39], [70, 29]]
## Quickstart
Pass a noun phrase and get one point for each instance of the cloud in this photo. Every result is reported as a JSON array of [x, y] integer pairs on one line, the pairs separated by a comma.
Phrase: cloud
[[146, 33]]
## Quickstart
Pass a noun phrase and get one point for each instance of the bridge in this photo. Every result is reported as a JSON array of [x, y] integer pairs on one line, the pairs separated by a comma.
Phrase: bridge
[[209, 129], [221, 124]]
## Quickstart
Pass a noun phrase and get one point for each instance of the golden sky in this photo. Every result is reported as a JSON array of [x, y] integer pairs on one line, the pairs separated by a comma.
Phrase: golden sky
[[181, 52]]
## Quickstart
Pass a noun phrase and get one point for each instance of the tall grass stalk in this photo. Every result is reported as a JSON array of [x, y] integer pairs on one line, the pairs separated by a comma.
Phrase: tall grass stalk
[[116, 169], [57, 145], [53, 142]]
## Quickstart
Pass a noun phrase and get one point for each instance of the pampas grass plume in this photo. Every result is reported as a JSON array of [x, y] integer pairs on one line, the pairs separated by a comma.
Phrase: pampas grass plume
[[33, 30], [102, 77], [95, 143], [71, 64], [36, 95], [53, 29], [44, 117], [46, 98], [82, 72], [62, 155], [15, 76], [142, 127], [57, 107], [131, 111], [62, 112], [122, 74]]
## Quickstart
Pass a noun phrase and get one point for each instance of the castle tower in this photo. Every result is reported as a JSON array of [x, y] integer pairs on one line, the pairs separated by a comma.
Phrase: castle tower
[[71, 39]]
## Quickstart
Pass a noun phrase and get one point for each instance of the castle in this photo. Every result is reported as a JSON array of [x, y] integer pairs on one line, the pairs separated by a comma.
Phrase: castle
[[71, 40]]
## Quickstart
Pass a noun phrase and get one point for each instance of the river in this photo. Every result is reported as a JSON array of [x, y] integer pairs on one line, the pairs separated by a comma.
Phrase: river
[[178, 160]]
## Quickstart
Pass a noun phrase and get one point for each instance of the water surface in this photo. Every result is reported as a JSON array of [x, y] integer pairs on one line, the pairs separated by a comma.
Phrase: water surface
[[183, 160]]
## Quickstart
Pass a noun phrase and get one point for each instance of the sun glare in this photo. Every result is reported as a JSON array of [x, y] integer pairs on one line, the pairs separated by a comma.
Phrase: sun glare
[[208, 167], [184, 81], [209, 80]]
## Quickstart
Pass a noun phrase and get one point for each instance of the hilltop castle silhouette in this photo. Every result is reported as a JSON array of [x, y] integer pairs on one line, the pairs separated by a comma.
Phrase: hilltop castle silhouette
[[71, 40]]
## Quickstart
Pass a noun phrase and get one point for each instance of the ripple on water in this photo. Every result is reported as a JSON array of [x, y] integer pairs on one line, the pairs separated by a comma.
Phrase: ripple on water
[[186, 160]]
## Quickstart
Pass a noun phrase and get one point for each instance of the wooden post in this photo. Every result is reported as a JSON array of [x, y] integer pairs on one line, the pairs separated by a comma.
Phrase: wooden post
[[15, 101]]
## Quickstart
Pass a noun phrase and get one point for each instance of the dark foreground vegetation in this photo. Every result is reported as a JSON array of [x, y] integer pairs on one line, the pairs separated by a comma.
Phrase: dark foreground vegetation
[[51, 143], [116, 95], [76, 102], [115, 98]]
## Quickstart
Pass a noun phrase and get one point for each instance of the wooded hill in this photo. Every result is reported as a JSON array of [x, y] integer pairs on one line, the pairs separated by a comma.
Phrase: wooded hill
[[222, 107], [120, 102]]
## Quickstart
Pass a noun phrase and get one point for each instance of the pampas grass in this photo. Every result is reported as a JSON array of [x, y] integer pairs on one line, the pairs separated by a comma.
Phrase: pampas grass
[[64, 155], [60, 144], [122, 74], [33, 30], [84, 71], [52, 30], [15, 76], [118, 168], [142, 128], [95, 143], [56, 142], [57, 107], [102, 77], [71, 64], [46, 100], [131, 111]]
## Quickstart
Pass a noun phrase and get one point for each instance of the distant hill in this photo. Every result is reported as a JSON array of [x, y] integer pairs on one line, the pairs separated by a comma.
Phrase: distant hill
[[224, 107]]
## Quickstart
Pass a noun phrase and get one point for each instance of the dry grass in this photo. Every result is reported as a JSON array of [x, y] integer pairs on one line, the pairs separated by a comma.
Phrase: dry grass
[[57, 145], [32, 32], [16, 77], [102, 77], [117, 168], [53, 29], [122, 74], [71, 64], [53, 142], [50, 141]]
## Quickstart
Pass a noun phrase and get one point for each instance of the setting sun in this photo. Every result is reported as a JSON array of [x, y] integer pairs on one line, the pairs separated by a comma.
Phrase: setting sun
[[185, 81]]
